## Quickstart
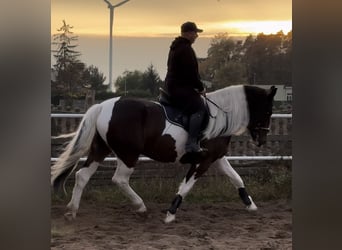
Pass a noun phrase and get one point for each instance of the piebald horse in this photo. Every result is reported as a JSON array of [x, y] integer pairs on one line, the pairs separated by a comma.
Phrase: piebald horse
[[130, 127]]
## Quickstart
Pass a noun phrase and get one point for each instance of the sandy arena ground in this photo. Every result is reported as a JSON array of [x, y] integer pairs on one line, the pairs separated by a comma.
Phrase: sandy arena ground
[[206, 226]]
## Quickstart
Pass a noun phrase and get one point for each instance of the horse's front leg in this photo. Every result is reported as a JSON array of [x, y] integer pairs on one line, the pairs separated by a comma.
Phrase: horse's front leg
[[224, 166], [188, 182], [184, 188]]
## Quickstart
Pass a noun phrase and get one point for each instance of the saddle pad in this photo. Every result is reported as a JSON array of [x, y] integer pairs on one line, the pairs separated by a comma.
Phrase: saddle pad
[[176, 117]]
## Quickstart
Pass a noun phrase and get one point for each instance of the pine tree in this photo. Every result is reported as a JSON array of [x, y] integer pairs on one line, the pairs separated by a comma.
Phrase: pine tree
[[69, 69], [152, 80]]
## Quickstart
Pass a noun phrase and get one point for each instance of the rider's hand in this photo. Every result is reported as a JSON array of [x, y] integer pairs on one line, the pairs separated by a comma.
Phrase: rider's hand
[[202, 92]]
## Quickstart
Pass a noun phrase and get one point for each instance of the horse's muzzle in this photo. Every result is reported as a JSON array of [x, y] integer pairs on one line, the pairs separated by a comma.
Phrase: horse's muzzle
[[259, 135]]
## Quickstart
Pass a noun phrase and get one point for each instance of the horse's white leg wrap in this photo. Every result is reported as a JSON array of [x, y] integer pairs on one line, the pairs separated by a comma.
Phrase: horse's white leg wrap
[[224, 166], [82, 177], [121, 178]]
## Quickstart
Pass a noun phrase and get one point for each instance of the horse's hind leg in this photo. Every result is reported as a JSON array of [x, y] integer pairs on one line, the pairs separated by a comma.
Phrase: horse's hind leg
[[98, 151], [224, 166], [121, 178], [82, 177]]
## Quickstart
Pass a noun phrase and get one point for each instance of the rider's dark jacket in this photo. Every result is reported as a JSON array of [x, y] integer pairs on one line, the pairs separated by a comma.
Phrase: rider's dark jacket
[[182, 66]]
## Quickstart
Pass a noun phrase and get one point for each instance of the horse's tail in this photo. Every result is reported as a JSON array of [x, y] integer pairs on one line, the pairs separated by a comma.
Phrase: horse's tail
[[77, 147], [64, 136]]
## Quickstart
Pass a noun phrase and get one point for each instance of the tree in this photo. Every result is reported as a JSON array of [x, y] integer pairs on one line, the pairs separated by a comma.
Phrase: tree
[[68, 67], [93, 84], [222, 49], [94, 79], [65, 53], [224, 65], [152, 81], [268, 58], [131, 80], [264, 59], [287, 58], [73, 78], [139, 84]]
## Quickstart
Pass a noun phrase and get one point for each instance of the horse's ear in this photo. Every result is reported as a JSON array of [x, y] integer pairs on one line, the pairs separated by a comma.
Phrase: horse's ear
[[272, 92]]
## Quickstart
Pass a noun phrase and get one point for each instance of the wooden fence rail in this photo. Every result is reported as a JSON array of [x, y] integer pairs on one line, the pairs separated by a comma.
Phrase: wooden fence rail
[[279, 143]]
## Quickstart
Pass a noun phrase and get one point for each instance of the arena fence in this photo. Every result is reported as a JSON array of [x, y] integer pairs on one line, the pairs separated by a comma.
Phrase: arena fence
[[244, 155], [278, 146]]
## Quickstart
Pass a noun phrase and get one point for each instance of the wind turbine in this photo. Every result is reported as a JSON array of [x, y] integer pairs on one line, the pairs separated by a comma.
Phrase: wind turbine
[[111, 7]]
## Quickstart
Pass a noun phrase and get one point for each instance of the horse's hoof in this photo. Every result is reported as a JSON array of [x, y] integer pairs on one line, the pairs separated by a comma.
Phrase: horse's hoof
[[143, 215], [70, 216], [169, 217], [252, 207], [142, 209]]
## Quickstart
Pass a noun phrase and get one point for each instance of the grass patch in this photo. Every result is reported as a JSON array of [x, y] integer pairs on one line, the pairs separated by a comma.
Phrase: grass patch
[[269, 183], [60, 231]]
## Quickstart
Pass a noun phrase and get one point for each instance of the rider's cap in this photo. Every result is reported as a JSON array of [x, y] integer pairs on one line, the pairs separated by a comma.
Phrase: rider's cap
[[190, 26]]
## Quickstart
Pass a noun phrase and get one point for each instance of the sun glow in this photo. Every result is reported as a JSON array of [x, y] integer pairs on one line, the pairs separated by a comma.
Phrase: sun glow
[[127, 28], [256, 27], [149, 19], [124, 30]]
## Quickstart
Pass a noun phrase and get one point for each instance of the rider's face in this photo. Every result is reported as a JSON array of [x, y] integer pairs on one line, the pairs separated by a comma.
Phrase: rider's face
[[191, 36]]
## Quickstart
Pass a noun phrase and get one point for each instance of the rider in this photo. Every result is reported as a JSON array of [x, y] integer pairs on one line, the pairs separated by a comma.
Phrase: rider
[[183, 82]]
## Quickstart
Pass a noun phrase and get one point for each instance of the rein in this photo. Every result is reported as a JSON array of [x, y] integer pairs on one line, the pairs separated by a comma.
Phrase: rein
[[262, 128], [225, 112], [217, 106]]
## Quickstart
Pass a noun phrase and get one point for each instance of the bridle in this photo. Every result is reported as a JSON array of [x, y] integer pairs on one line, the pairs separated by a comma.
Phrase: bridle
[[262, 129], [258, 130]]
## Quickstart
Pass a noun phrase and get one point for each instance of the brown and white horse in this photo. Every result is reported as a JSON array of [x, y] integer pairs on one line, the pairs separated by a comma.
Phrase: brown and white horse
[[131, 127]]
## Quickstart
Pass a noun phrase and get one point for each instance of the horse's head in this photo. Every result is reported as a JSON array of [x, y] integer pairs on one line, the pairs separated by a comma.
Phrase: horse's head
[[260, 103]]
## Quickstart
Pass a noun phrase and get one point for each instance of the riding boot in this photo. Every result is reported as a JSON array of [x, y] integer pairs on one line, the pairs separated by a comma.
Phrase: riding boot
[[195, 124]]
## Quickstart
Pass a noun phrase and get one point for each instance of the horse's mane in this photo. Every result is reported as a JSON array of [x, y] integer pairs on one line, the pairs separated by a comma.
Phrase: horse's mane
[[230, 116]]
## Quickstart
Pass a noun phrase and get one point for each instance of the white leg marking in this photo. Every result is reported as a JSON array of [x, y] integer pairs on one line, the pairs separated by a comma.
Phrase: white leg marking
[[169, 217], [186, 186], [183, 190], [82, 177], [252, 207], [224, 166], [121, 178]]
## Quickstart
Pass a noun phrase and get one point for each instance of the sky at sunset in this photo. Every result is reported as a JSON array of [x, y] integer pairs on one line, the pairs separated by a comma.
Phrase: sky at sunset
[[160, 20]]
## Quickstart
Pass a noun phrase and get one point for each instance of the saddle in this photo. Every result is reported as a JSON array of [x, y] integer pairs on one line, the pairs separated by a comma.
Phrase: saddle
[[175, 115]]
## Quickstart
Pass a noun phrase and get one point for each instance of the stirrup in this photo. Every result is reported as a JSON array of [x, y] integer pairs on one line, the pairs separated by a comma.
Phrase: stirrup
[[193, 157], [199, 150], [193, 147]]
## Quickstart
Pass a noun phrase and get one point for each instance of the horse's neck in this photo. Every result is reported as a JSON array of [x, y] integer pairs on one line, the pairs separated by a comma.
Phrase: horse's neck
[[233, 118]]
